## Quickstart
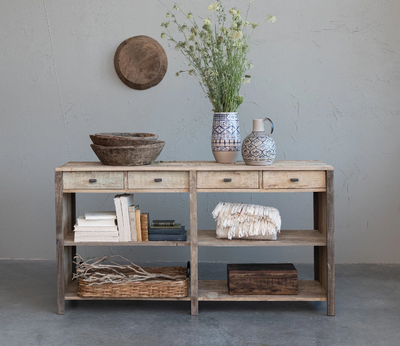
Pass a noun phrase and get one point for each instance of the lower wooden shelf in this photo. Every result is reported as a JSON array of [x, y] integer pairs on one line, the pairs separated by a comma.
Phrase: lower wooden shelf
[[217, 290], [71, 293]]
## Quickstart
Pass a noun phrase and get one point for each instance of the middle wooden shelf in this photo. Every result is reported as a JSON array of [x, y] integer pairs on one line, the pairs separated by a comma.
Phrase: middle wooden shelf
[[207, 238]]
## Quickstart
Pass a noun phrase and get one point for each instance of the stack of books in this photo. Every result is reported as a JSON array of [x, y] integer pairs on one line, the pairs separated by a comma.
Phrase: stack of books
[[96, 226], [167, 230], [132, 223]]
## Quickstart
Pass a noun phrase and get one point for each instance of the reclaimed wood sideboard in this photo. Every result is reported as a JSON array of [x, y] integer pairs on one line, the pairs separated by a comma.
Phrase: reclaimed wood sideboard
[[196, 177]]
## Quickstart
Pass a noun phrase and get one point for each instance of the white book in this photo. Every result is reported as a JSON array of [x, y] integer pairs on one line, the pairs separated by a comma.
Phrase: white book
[[100, 215], [95, 229], [94, 235], [126, 202], [118, 210], [82, 221], [91, 239]]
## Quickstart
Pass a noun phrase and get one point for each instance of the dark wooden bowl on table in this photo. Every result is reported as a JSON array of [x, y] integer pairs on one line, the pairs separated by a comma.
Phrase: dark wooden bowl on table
[[144, 153]]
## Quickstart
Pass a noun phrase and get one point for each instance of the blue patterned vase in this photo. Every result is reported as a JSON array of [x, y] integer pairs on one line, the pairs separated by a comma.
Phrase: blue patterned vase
[[225, 139], [259, 148]]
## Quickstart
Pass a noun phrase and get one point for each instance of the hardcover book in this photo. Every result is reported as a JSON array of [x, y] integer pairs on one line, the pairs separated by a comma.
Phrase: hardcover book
[[126, 202], [132, 221], [163, 223], [144, 224], [168, 237], [94, 229], [118, 211], [100, 215], [82, 221], [176, 226], [138, 225], [167, 230]]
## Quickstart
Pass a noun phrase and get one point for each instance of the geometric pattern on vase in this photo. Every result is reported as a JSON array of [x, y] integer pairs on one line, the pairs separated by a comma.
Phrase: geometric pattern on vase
[[258, 148], [225, 132]]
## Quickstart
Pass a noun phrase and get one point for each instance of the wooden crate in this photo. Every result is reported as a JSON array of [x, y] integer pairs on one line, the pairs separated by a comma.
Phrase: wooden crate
[[262, 278]]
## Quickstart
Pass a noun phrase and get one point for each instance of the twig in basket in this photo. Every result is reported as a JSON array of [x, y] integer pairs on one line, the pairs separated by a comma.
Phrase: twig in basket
[[91, 271]]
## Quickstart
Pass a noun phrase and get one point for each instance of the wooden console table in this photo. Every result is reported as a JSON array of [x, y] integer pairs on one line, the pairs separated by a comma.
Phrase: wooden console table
[[194, 178]]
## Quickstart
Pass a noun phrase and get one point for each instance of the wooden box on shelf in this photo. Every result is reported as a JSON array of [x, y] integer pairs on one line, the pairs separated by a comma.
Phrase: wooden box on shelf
[[260, 278]]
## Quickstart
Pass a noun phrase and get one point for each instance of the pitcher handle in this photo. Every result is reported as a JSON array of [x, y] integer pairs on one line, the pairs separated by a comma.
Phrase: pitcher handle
[[272, 125]]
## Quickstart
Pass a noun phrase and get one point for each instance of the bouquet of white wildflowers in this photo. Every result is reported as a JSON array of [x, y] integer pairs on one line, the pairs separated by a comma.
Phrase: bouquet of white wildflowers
[[216, 51]]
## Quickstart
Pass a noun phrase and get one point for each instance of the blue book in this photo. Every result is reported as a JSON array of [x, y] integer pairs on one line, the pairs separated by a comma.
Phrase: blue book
[[172, 231], [168, 237]]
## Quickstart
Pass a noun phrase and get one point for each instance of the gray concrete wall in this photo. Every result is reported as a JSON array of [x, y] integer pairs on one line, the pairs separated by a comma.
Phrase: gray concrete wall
[[327, 73]]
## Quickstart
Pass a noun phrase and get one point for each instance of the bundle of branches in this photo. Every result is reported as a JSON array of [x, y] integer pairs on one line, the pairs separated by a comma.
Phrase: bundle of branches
[[99, 271]]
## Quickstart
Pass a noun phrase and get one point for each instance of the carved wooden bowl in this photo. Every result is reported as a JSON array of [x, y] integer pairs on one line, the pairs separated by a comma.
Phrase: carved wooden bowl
[[133, 155], [117, 139]]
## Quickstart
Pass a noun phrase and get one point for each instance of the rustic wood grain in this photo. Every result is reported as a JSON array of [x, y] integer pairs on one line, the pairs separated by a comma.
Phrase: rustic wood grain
[[140, 62], [316, 225], [199, 166], [282, 180], [285, 238], [330, 228], [69, 241], [322, 253], [260, 278], [217, 290], [103, 180], [151, 180], [193, 246], [227, 180], [183, 177], [59, 243]]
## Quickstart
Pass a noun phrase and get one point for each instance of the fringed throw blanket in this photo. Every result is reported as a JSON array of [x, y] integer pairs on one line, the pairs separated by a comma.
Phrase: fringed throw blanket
[[248, 221]]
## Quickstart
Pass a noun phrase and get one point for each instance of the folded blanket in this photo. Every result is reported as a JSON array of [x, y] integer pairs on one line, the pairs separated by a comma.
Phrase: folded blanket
[[248, 221]]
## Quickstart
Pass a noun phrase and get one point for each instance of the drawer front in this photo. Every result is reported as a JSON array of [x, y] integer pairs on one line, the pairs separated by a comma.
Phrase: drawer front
[[93, 180], [294, 180], [158, 180], [227, 180]]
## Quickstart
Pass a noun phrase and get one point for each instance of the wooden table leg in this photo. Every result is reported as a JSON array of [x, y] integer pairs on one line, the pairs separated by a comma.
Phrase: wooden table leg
[[316, 226], [324, 256], [60, 243], [194, 295], [65, 218], [73, 221], [330, 228]]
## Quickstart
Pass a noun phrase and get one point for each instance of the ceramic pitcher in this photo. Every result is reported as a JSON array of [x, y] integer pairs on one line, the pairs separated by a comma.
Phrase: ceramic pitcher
[[258, 148]]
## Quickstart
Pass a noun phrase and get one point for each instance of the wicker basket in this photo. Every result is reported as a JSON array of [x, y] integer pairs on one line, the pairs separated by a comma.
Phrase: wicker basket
[[156, 288]]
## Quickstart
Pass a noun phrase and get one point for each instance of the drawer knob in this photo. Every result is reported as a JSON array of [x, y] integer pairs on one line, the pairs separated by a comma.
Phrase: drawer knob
[[92, 180], [294, 179], [227, 180], [157, 180]]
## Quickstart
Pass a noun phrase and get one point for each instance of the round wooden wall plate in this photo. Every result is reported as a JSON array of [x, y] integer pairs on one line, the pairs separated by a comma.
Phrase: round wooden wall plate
[[140, 62]]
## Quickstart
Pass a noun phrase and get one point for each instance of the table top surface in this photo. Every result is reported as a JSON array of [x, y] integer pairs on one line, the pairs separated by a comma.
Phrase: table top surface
[[302, 165]]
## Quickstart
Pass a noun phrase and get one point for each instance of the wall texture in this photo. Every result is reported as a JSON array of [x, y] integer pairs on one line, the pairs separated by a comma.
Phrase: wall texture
[[326, 72]]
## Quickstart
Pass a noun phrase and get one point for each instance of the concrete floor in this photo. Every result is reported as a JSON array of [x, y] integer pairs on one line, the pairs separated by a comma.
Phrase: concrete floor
[[367, 313]]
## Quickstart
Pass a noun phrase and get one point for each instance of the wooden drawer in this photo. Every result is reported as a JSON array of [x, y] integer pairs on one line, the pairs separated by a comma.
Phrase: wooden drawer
[[158, 180], [294, 180], [227, 180], [93, 180]]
